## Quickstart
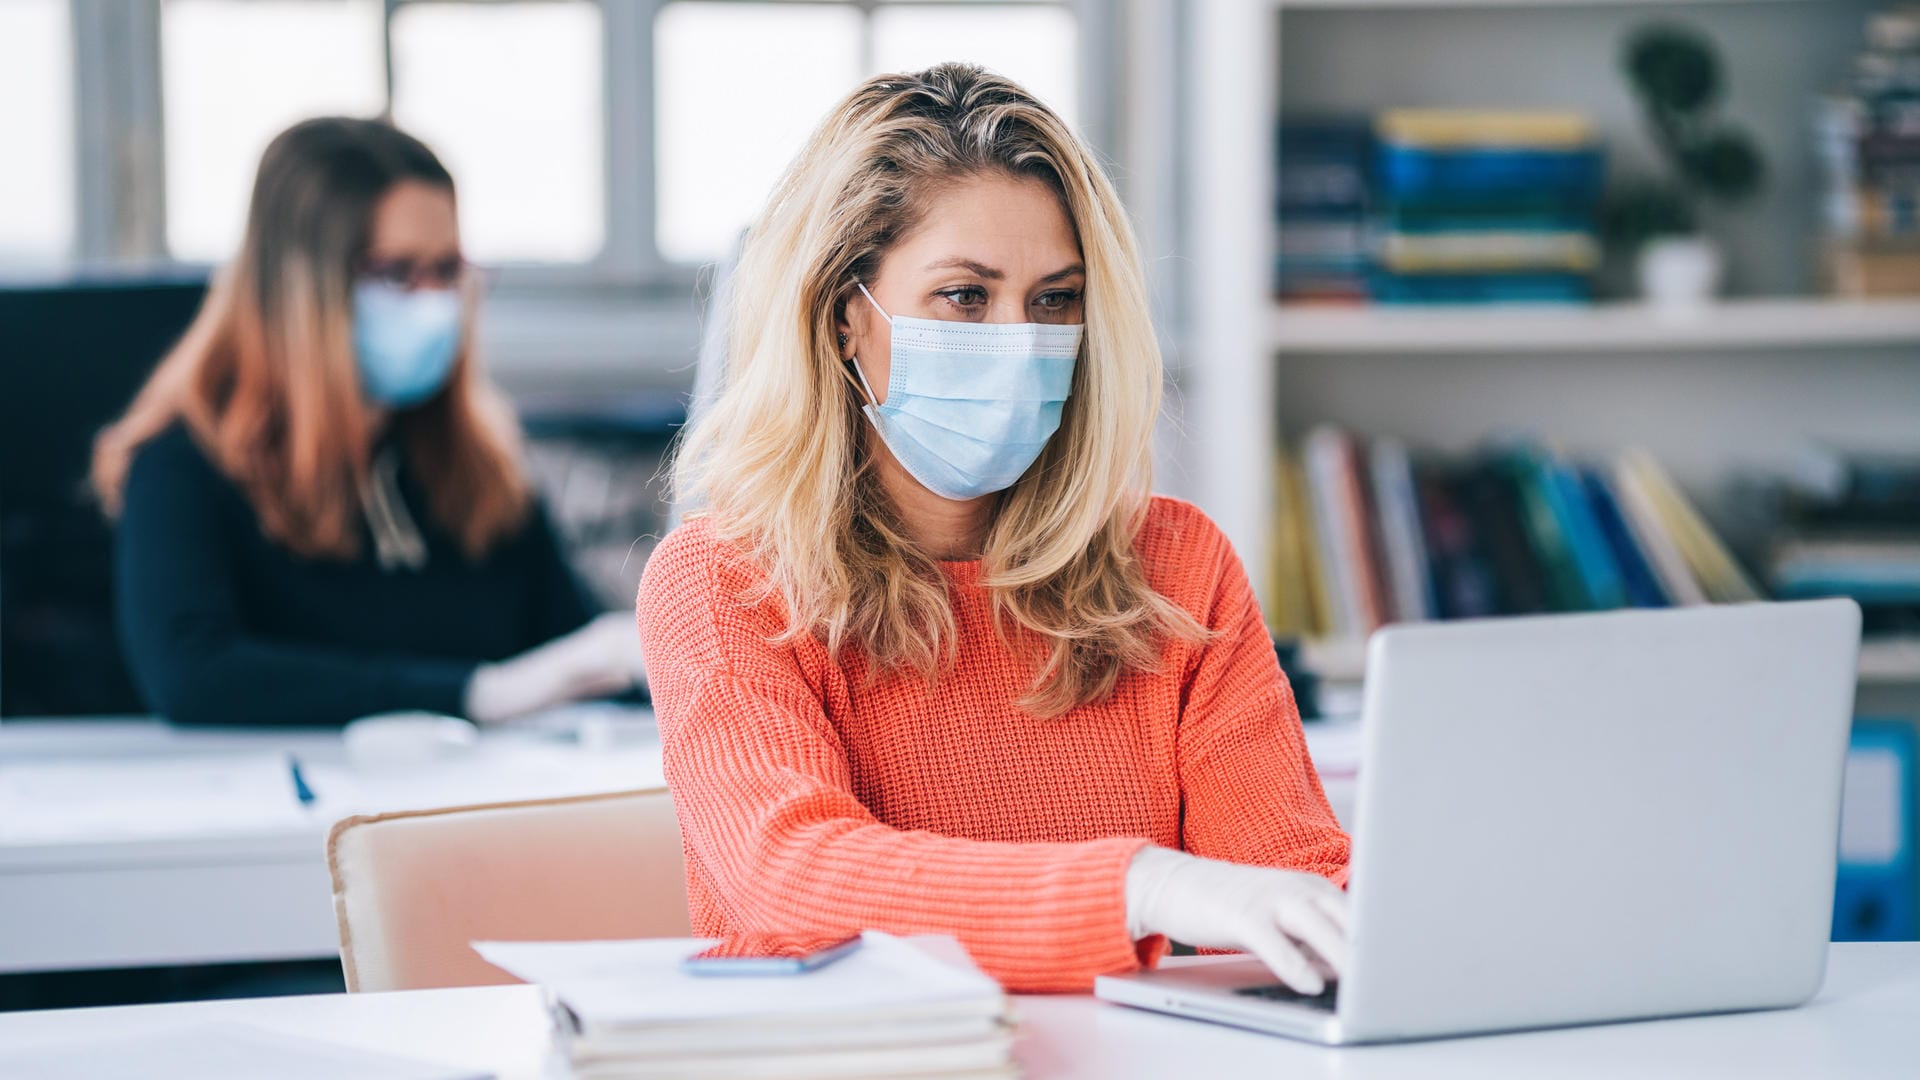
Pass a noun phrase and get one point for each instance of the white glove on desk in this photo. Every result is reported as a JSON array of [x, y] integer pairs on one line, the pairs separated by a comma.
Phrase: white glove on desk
[[1277, 915], [599, 659]]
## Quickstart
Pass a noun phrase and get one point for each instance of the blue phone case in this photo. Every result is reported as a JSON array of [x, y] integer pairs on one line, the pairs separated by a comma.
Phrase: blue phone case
[[767, 965]]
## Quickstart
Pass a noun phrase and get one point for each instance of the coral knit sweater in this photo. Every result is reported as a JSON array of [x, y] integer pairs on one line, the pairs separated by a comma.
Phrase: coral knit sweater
[[813, 802]]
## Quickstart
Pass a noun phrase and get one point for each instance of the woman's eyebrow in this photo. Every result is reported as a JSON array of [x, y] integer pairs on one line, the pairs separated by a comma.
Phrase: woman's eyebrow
[[977, 269], [993, 274]]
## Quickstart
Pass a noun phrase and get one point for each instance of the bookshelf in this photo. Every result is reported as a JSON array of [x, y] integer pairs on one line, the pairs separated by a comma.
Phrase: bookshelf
[[1890, 662], [1711, 392]]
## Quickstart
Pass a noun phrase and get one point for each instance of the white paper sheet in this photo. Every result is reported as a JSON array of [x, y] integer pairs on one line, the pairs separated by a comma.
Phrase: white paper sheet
[[215, 1052], [640, 982], [138, 798]]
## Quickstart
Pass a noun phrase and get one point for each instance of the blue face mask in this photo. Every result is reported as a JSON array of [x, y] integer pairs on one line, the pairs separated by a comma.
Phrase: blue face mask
[[971, 405], [405, 342]]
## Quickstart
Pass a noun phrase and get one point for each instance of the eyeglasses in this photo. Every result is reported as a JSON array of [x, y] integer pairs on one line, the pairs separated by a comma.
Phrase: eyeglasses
[[454, 271]]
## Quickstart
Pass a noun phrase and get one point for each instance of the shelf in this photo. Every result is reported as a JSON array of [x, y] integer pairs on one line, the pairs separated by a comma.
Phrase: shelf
[[1731, 324], [1886, 661], [1896, 660], [1391, 5]]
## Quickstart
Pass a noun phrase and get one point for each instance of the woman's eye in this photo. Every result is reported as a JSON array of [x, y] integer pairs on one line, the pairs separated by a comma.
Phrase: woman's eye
[[1057, 300], [966, 296]]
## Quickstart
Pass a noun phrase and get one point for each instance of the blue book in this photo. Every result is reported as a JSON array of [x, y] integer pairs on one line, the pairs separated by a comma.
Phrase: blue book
[[1868, 583], [1477, 175], [1507, 216], [1322, 165], [1471, 288], [1459, 579], [1593, 558], [1874, 890], [1636, 573]]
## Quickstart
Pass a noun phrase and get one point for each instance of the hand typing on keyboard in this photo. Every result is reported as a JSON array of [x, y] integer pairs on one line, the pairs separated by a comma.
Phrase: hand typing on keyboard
[[1296, 923], [1326, 999]]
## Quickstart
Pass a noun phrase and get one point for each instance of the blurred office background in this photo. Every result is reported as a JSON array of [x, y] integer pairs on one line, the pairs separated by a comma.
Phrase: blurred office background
[[1646, 271], [607, 156]]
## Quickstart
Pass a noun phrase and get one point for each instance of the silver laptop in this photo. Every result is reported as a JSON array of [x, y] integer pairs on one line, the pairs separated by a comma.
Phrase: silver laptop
[[1575, 819]]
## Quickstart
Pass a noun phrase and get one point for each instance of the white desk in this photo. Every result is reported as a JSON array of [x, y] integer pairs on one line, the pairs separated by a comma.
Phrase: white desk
[[126, 895], [130, 896], [1865, 1024]]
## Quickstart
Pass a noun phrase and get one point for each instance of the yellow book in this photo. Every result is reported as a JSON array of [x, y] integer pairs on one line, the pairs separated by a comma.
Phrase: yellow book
[[1319, 603], [1454, 128], [1413, 253], [1650, 533], [1725, 582], [1289, 606]]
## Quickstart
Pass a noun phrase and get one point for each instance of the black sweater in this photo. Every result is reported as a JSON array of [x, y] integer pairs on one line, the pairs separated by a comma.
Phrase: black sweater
[[222, 625]]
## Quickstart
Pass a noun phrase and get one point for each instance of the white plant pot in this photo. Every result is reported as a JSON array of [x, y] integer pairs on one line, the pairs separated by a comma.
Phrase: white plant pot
[[1679, 271]]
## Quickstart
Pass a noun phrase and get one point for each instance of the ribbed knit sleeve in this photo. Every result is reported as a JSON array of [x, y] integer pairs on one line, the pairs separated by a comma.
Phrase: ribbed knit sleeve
[[768, 814], [1249, 788]]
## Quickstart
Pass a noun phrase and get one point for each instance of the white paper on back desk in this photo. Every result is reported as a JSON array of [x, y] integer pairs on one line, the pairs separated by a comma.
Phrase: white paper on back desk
[[51, 802], [896, 1007]]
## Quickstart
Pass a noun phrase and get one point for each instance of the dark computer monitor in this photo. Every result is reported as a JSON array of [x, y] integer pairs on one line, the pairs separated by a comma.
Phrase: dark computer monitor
[[71, 357]]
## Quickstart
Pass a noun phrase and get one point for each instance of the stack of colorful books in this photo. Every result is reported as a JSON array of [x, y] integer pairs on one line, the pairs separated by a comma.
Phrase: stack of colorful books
[[1369, 533], [1485, 206], [1857, 536], [1870, 142], [1321, 210]]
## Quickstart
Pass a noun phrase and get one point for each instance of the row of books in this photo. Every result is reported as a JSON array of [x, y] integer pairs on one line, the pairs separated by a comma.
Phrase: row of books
[[1869, 139], [1368, 533], [1435, 205], [1852, 529], [1324, 176]]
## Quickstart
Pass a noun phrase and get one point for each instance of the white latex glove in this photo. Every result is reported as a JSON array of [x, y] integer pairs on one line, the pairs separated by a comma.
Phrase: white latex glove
[[599, 659], [1296, 923]]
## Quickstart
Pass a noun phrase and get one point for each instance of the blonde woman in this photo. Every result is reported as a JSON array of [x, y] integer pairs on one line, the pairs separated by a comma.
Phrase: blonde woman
[[932, 659]]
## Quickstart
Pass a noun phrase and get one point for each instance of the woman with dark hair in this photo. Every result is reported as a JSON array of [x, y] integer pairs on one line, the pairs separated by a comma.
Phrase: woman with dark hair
[[322, 511]]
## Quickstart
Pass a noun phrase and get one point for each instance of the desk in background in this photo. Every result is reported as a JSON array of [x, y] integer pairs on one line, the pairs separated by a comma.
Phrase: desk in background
[[188, 888]]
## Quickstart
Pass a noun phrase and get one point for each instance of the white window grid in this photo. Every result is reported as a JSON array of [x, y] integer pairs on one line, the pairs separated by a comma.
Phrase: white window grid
[[119, 143]]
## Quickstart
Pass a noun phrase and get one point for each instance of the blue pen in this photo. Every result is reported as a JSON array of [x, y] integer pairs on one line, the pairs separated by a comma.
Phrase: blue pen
[[300, 789]]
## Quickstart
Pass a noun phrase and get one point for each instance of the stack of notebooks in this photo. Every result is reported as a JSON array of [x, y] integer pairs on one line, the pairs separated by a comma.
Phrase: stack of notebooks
[[1321, 219], [1859, 536], [1368, 534], [896, 1007], [1485, 206], [1870, 143]]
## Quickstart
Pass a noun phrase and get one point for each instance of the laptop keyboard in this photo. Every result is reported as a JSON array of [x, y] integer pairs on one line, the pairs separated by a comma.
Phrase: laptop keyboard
[[1326, 999]]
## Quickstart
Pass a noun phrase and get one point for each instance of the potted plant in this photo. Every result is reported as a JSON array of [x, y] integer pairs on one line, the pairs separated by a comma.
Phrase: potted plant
[[1676, 76]]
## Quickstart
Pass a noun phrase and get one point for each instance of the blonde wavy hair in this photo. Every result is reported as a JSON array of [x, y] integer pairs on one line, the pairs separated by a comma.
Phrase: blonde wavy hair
[[779, 460]]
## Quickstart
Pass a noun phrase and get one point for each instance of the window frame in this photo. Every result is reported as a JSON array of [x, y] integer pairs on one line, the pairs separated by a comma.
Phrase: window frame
[[627, 288]]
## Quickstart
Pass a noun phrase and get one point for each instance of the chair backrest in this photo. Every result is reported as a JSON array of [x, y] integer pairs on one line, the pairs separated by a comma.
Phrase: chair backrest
[[412, 889]]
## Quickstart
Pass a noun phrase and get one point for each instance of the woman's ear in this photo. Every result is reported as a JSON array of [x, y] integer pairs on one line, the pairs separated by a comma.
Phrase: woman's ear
[[844, 330]]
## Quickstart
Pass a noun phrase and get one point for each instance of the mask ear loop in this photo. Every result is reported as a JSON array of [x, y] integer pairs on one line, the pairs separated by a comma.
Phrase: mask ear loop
[[865, 386], [876, 304]]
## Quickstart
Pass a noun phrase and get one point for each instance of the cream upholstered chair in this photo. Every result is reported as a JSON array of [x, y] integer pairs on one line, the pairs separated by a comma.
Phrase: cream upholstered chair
[[411, 889]]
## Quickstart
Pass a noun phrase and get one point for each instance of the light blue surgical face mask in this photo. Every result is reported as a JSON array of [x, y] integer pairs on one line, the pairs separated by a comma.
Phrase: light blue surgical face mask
[[405, 342], [971, 405]]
